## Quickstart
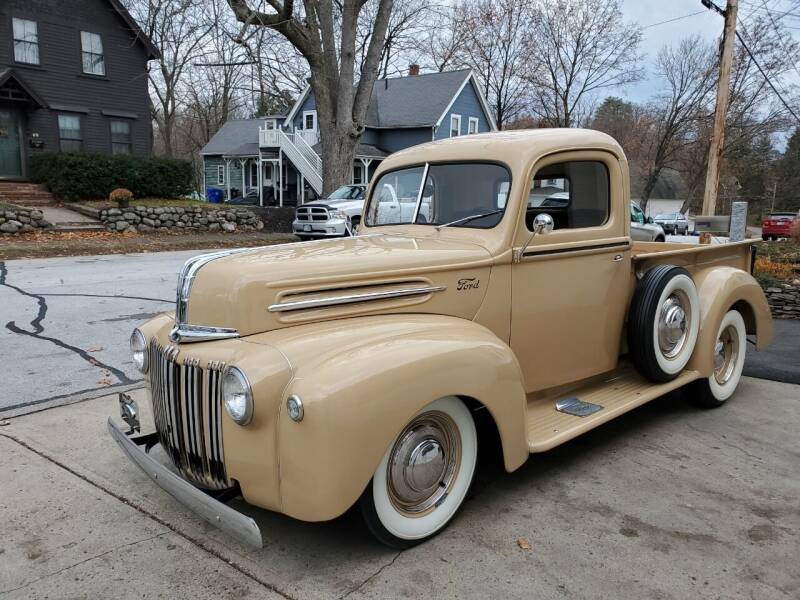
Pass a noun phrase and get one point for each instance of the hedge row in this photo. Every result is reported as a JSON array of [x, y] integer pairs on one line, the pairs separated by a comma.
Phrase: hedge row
[[85, 176]]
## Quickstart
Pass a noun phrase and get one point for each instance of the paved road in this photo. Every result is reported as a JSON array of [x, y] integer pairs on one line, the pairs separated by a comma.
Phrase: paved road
[[65, 323]]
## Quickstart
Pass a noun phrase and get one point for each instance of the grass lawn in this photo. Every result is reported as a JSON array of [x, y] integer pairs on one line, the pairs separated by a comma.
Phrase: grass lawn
[[183, 202], [775, 263]]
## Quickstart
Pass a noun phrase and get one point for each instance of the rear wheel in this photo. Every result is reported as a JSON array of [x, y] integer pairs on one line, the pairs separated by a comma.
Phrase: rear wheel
[[424, 475], [729, 353]]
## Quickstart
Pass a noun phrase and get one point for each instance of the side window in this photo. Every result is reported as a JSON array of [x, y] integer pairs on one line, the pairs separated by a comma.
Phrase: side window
[[637, 216], [576, 194]]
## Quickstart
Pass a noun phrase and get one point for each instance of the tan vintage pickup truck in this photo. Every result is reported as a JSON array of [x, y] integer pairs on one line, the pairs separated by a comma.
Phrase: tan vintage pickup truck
[[491, 275]]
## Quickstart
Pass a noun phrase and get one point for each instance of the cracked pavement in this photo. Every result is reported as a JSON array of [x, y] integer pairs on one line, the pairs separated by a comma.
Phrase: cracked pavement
[[65, 323]]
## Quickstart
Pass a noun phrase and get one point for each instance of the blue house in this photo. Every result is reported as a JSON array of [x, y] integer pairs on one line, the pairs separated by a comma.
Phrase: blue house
[[279, 156]]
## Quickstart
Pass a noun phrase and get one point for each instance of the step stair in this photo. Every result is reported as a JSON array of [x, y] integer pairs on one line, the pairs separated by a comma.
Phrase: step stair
[[615, 393], [25, 194]]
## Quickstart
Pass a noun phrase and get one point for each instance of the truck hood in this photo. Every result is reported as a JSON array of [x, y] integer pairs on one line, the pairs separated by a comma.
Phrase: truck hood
[[349, 206], [260, 289]]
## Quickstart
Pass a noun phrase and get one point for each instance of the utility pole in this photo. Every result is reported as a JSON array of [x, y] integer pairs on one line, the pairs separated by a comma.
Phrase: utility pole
[[721, 108]]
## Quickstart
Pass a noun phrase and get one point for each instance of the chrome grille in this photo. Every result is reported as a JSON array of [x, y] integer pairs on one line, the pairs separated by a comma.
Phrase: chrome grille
[[187, 405], [312, 213]]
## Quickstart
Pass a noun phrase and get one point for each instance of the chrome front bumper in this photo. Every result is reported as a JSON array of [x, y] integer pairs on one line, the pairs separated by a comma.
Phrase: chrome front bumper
[[232, 522], [329, 228]]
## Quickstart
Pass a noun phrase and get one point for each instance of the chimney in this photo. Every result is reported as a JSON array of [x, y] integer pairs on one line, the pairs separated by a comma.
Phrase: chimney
[[413, 70]]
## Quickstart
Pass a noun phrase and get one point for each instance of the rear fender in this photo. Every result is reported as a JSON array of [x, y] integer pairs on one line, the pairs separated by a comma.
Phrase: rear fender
[[362, 380], [721, 289]]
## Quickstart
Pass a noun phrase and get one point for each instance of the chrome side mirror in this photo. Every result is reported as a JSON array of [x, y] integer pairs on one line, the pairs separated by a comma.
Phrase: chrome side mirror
[[542, 224]]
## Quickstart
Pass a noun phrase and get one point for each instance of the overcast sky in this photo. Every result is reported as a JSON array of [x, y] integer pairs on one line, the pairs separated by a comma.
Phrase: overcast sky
[[707, 24]]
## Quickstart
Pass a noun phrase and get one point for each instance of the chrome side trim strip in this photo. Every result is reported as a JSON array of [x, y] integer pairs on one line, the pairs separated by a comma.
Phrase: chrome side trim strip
[[200, 333], [353, 298], [231, 521]]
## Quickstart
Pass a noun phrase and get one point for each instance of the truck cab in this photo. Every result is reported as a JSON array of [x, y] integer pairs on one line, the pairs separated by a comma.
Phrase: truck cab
[[493, 278]]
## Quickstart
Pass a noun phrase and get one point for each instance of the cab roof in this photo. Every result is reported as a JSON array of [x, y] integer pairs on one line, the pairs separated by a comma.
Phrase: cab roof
[[514, 147]]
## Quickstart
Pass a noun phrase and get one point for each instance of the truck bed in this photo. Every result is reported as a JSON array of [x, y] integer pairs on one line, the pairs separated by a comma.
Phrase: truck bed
[[735, 254]]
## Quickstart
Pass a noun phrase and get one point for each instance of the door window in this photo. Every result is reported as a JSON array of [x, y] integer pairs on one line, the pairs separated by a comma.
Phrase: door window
[[637, 216], [575, 193]]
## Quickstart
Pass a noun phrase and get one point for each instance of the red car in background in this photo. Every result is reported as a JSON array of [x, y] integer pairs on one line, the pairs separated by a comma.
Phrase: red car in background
[[777, 225]]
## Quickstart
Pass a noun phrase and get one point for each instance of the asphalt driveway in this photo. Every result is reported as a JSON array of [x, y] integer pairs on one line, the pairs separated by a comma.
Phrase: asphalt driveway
[[65, 323]]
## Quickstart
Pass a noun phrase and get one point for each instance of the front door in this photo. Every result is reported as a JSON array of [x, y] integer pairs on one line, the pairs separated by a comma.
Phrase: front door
[[570, 288], [10, 157]]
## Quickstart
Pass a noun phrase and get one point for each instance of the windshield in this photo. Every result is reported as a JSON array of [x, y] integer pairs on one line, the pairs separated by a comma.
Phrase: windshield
[[439, 194], [348, 192]]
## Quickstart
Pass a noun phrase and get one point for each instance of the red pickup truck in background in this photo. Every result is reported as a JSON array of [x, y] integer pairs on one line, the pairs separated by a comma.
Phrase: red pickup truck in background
[[778, 225]]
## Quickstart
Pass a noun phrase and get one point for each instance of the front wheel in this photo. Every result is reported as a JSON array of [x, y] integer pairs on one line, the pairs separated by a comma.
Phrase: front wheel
[[729, 353], [424, 475]]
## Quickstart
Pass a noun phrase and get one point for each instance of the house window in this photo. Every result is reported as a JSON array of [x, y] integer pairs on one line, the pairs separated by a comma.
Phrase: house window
[[472, 125], [69, 133], [358, 173], [120, 137], [220, 175], [455, 125], [92, 54], [26, 41], [310, 120], [269, 124]]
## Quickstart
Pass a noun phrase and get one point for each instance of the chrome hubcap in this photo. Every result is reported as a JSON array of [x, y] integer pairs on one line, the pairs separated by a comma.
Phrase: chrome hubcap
[[423, 463], [673, 324], [726, 352]]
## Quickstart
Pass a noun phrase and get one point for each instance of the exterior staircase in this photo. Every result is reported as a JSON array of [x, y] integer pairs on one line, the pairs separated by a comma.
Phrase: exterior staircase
[[298, 150], [26, 194]]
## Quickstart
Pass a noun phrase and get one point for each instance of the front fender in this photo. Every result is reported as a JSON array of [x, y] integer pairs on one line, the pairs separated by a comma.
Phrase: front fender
[[361, 380], [720, 288]]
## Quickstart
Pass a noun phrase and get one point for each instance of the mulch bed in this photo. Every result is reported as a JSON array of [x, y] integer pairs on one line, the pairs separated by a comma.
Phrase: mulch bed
[[45, 244]]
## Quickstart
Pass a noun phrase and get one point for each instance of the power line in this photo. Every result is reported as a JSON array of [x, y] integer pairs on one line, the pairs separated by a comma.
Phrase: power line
[[673, 20], [763, 73], [775, 27]]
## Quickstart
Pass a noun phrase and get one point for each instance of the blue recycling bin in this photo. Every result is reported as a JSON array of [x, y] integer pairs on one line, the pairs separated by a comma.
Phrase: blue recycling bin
[[215, 195]]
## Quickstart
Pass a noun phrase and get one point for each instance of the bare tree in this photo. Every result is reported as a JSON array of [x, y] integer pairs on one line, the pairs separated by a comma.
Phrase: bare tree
[[178, 28], [325, 34], [687, 71], [441, 46], [494, 45], [577, 48]]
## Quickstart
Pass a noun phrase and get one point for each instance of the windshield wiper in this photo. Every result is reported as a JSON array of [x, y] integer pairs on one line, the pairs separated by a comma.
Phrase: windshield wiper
[[469, 218]]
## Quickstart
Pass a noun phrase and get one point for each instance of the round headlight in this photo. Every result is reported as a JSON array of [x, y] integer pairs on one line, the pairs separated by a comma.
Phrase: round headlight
[[139, 350], [237, 396]]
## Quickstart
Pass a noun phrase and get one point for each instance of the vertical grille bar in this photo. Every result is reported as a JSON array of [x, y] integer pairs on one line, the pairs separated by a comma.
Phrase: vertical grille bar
[[187, 415]]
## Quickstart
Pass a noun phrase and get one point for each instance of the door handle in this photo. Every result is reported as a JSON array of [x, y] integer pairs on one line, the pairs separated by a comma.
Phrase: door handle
[[617, 257]]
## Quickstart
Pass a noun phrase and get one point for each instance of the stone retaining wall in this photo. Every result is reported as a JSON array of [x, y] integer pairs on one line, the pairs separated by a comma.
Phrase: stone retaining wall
[[172, 218], [21, 220], [784, 301]]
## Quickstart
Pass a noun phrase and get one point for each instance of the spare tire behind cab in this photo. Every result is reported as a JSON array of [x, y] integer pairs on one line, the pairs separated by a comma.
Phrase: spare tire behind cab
[[663, 322]]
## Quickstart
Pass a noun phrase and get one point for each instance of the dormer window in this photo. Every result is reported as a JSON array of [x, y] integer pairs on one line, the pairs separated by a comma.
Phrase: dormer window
[[92, 54], [26, 41]]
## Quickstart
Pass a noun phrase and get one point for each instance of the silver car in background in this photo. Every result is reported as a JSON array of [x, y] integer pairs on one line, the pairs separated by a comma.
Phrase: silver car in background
[[676, 223], [643, 229], [338, 215]]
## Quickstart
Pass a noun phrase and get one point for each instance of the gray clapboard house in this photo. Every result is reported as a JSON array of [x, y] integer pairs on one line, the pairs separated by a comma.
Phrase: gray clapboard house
[[279, 156], [73, 78]]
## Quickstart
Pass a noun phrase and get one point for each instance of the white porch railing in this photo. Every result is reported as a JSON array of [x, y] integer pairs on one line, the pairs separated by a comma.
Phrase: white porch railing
[[310, 136]]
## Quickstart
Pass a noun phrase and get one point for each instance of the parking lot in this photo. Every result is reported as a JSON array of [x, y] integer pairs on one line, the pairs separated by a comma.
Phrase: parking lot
[[666, 502]]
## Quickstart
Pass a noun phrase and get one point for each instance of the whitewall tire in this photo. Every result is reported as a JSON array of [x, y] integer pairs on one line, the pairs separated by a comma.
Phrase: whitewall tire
[[424, 475], [730, 347]]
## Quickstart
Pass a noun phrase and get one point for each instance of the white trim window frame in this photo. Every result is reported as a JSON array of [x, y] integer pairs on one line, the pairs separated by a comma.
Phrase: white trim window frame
[[455, 125], [26, 41], [220, 174], [472, 125], [93, 59], [313, 115]]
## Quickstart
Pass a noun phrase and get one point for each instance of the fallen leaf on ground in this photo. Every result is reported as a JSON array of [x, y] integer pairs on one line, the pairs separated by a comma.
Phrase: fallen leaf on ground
[[105, 381], [523, 543], [98, 349]]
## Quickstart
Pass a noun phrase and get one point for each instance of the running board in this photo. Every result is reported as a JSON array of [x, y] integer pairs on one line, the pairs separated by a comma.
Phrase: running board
[[554, 417]]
